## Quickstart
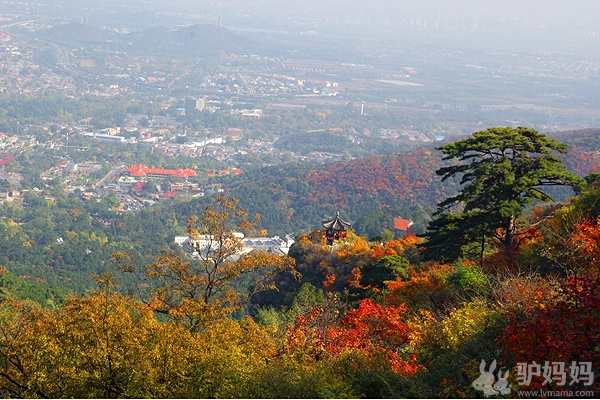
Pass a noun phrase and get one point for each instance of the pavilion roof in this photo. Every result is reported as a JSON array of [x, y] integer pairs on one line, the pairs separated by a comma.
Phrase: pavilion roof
[[337, 224]]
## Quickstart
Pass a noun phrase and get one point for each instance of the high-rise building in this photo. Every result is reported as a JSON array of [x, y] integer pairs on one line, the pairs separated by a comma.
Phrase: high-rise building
[[194, 104]]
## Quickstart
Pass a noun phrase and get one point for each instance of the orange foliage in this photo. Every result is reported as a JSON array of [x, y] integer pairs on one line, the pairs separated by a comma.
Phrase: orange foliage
[[371, 329], [304, 240], [361, 251], [418, 292], [382, 251], [395, 247], [305, 335], [401, 245], [355, 277], [388, 177], [533, 235], [520, 296], [360, 248], [587, 239], [329, 282]]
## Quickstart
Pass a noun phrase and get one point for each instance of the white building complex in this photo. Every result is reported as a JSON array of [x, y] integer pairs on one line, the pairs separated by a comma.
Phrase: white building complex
[[273, 244]]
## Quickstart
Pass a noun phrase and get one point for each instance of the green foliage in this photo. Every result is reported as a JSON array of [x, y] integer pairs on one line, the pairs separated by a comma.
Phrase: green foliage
[[14, 287], [307, 298], [469, 279], [41, 109], [587, 203], [386, 268], [373, 380], [593, 179], [53, 239], [271, 317], [502, 170]]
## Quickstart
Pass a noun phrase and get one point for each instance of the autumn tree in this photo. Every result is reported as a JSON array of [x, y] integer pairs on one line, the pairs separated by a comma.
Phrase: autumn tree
[[107, 345], [221, 280], [361, 351], [565, 329], [502, 170]]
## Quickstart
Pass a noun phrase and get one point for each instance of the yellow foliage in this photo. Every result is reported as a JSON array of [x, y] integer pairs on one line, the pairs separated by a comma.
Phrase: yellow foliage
[[102, 239], [196, 294], [231, 355], [432, 335], [107, 345]]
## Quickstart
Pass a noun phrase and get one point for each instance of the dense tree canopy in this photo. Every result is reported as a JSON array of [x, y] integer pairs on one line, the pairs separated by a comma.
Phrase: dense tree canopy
[[367, 320], [222, 278]]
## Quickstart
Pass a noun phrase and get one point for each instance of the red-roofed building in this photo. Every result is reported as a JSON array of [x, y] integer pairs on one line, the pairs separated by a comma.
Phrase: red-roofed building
[[402, 224], [142, 171], [235, 132], [7, 160]]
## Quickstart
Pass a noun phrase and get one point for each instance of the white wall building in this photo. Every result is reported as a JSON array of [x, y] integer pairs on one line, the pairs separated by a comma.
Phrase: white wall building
[[202, 241], [274, 244]]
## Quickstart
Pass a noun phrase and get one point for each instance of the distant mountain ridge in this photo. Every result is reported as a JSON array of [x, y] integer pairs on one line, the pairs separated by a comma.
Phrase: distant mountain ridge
[[205, 37], [200, 36]]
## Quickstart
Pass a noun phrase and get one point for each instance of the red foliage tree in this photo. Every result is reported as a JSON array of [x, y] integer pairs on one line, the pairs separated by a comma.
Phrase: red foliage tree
[[372, 330], [565, 331]]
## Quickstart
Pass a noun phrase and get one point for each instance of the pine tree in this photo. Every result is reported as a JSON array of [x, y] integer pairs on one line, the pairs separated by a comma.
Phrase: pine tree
[[502, 170]]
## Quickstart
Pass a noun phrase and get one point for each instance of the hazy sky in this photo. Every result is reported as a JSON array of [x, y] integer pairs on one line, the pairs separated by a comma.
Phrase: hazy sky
[[551, 11], [569, 15], [542, 21], [568, 23], [559, 12]]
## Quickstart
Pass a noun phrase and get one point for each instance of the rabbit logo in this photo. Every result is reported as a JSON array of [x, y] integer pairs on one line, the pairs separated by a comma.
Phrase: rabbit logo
[[486, 382]]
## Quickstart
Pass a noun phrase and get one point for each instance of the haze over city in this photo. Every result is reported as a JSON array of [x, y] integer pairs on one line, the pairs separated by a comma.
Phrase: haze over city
[[565, 22]]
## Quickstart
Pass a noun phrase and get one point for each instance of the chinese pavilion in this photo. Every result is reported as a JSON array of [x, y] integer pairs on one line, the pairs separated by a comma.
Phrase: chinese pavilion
[[336, 229]]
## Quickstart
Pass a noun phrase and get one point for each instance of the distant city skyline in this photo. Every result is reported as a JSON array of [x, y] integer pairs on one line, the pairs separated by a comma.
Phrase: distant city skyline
[[556, 12], [547, 25]]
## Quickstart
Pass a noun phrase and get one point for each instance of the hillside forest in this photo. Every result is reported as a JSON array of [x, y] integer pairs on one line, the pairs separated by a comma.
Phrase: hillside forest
[[493, 292]]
